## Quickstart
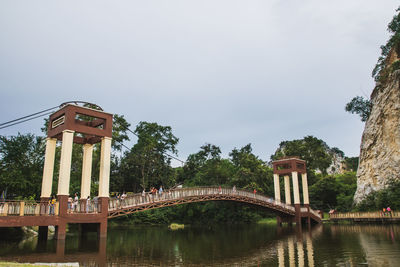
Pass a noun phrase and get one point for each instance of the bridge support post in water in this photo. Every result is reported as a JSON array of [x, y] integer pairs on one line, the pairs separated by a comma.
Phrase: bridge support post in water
[[43, 233]]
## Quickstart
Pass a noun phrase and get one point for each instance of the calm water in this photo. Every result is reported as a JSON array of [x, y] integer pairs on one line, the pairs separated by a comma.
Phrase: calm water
[[254, 245]]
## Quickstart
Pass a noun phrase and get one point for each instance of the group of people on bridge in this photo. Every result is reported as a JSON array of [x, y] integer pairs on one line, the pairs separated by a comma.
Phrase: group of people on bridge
[[82, 205], [387, 212]]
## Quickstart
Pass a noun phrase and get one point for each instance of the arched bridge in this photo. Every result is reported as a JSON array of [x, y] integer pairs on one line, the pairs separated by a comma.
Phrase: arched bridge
[[137, 202]]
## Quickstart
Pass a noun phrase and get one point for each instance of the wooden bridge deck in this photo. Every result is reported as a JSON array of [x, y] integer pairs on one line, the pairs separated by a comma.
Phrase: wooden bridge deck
[[137, 202], [375, 216], [21, 213]]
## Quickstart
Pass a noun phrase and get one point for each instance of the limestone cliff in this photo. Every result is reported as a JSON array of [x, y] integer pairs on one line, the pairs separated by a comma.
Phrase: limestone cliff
[[380, 145]]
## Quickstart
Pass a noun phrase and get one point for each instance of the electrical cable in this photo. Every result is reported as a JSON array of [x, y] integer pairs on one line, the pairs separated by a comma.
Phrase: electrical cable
[[41, 114], [1, 124], [183, 162], [15, 123]]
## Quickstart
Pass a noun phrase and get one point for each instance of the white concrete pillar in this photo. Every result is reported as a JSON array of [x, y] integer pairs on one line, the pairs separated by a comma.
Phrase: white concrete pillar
[[305, 189], [288, 198], [296, 192], [86, 170], [277, 187], [105, 157], [48, 168], [65, 162]]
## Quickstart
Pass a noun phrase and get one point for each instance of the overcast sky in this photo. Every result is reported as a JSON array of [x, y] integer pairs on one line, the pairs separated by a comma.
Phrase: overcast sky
[[217, 71]]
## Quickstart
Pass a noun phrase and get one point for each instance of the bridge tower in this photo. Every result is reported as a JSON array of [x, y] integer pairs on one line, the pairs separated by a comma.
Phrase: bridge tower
[[75, 124], [286, 167]]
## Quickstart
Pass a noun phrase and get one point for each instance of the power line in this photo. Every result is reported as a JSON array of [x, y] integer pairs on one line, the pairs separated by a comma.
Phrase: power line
[[162, 153], [18, 122], [5, 124], [41, 114], [8, 122]]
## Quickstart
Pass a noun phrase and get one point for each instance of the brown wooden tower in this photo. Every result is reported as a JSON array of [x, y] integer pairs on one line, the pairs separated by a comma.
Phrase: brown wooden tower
[[86, 126], [286, 167]]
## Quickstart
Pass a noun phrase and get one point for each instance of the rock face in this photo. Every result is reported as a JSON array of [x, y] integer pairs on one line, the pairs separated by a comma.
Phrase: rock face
[[380, 145], [337, 166]]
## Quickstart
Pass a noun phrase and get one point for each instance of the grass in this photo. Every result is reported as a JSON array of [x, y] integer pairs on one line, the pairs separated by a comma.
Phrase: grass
[[267, 221]]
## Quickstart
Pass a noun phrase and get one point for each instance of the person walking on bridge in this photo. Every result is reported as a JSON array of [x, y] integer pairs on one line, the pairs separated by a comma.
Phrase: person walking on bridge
[[76, 201], [123, 196], [389, 210], [144, 195], [52, 204]]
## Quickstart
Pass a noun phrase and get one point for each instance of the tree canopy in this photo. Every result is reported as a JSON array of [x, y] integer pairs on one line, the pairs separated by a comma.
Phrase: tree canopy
[[361, 106], [311, 149]]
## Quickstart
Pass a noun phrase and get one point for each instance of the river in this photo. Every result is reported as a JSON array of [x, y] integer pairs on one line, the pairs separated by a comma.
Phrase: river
[[245, 245]]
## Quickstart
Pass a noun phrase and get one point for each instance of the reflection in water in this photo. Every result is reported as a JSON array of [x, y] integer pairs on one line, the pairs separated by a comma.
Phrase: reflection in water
[[310, 251], [257, 245], [295, 246], [281, 254], [291, 251]]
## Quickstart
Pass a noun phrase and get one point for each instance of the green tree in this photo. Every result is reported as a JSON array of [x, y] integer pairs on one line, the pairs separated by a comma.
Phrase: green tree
[[380, 72], [251, 172], [360, 106], [206, 167], [378, 200], [311, 149], [324, 192], [382, 69], [351, 163], [21, 165], [148, 162]]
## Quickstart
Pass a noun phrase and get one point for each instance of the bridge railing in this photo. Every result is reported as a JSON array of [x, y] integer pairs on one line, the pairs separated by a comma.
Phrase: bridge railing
[[315, 213], [27, 208], [140, 199], [84, 206], [365, 215]]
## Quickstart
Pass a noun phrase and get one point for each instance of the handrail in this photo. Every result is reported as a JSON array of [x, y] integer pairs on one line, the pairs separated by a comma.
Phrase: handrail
[[27, 208], [138, 199], [365, 215]]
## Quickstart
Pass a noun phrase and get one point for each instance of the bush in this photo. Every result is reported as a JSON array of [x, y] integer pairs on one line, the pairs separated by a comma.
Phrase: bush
[[389, 196]]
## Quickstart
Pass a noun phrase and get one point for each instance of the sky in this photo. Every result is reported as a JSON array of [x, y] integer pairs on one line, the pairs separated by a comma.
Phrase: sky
[[225, 72]]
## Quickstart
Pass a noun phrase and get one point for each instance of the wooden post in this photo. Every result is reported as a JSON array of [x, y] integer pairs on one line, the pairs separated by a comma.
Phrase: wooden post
[[37, 209], [5, 209], [21, 208], [56, 208]]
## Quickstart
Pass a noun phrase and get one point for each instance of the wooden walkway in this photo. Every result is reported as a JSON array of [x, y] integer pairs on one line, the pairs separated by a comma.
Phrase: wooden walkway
[[376, 216], [137, 202], [32, 213]]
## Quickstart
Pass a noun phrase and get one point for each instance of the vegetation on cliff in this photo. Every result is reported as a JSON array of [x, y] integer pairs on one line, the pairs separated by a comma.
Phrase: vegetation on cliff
[[387, 63], [388, 197], [385, 66]]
